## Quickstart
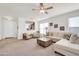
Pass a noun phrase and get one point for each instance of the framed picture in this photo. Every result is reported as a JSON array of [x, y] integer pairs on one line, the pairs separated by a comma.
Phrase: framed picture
[[55, 25], [50, 24], [62, 28], [31, 26]]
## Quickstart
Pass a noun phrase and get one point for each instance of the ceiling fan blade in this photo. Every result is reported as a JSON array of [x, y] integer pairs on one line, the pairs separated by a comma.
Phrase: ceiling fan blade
[[35, 9], [48, 8], [46, 12], [41, 4]]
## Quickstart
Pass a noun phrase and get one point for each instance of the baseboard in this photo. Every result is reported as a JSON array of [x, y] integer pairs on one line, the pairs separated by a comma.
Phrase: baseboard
[[10, 37]]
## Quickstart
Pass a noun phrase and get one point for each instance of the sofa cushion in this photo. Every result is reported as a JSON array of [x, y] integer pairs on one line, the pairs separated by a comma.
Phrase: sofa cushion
[[55, 39], [36, 35], [49, 34], [58, 34], [55, 34], [65, 35]]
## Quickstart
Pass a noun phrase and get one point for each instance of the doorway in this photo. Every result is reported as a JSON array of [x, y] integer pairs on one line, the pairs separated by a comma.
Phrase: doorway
[[9, 28]]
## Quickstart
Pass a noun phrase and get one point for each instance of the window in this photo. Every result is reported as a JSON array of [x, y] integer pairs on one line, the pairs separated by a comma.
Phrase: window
[[74, 25]]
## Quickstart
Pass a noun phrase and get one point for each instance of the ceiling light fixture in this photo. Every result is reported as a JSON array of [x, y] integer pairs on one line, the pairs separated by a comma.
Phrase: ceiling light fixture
[[42, 11]]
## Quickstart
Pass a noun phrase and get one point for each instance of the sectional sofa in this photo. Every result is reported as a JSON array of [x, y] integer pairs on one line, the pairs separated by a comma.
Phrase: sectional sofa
[[63, 44], [30, 35], [56, 36], [65, 47]]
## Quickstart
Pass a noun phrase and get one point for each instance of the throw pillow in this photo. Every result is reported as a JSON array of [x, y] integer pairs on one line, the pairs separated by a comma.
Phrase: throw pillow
[[67, 36]]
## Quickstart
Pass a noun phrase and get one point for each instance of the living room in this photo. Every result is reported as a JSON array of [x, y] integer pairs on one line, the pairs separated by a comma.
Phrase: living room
[[39, 31]]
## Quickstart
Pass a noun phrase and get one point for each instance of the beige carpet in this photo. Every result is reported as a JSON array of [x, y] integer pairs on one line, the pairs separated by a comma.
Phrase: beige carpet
[[13, 47]]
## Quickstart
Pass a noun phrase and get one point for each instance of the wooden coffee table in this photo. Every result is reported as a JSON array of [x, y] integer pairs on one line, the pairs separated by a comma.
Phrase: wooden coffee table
[[44, 42]]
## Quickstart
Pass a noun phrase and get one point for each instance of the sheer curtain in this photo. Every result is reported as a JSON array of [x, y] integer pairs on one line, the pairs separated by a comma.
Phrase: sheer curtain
[[43, 28]]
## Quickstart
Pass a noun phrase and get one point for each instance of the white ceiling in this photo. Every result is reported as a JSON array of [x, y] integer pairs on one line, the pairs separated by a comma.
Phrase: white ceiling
[[25, 10]]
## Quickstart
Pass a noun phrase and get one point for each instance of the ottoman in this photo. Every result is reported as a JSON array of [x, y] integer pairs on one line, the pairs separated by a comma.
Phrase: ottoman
[[44, 42]]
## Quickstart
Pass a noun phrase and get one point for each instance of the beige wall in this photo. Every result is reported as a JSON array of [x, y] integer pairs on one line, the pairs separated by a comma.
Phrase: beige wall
[[61, 20]]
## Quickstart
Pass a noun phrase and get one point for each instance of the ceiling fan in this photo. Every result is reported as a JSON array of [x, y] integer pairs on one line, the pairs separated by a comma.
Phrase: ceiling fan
[[43, 9]]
